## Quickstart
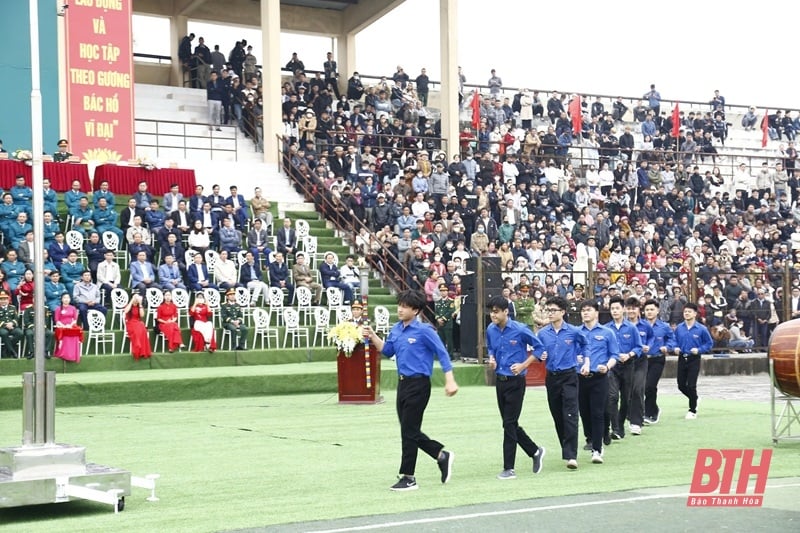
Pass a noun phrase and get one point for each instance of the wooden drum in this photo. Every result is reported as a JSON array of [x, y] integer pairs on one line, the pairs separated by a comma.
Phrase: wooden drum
[[784, 351]]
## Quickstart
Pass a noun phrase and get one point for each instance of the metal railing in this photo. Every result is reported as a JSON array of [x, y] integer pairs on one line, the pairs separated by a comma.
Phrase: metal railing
[[314, 191], [172, 135]]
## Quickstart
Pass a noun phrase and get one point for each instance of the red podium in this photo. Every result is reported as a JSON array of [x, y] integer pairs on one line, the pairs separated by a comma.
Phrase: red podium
[[360, 376], [536, 374]]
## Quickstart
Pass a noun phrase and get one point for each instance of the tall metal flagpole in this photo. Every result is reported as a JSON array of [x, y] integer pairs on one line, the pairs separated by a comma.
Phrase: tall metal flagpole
[[38, 223]]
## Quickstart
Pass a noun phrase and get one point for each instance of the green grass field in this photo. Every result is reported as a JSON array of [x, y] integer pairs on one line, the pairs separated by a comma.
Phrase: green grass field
[[257, 461]]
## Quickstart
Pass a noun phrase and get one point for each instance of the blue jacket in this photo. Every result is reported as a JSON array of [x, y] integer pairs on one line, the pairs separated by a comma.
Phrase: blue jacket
[[695, 337], [628, 337], [58, 252], [510, 345], [414, 347], [645, 333], [602, 346], [108, 195], [662, 336], [278, 272], [563, 346]]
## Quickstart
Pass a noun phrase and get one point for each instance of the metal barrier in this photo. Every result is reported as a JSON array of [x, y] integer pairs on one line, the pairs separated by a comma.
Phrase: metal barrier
[[172, 135]]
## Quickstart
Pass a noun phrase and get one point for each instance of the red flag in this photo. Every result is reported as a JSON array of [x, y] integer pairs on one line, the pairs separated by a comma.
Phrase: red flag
[[765, 129], [676, 122], [575, 114], [476, 110]]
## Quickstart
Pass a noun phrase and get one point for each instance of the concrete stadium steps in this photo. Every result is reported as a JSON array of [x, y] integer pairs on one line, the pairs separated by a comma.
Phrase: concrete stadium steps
[[239, 377], [181, 111]]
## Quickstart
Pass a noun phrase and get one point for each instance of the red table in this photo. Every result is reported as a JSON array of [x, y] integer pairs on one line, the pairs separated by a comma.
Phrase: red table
[[125, 180], [61, 175]]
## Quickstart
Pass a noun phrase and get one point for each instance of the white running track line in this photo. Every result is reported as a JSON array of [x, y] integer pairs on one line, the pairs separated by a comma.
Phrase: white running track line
[[518, 511]]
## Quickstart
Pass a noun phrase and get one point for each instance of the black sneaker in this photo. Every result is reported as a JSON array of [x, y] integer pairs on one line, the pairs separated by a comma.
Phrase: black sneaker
[[617, 436], [405, 483], [538, 459], [607, 439], [588, 446], [446, 465]]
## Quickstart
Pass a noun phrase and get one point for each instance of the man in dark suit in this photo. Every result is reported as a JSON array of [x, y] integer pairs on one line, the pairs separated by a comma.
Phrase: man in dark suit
[[127, 215], [174, 248], [258, 242], [182, 218], [196, 202], [197, 275], [25, 250], [287, 239], [279, 275], [138, 245], [239, 206], [162, 236], [329, 273], [338, 162]]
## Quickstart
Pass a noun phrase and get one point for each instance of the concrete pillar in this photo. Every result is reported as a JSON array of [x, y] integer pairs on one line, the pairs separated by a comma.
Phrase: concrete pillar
[[178, 29], [271, 76], [346, 59], [448, 32]]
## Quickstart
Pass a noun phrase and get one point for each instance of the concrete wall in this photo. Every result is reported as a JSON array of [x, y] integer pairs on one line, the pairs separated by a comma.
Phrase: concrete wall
[[152, 73], [15, 71]]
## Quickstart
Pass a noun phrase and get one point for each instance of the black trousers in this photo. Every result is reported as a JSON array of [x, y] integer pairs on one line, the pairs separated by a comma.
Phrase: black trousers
[[562, 398], [655, 367], [510, 392], [592, 397], [412, 399], [688, 371], [636, 410], [620, 382]]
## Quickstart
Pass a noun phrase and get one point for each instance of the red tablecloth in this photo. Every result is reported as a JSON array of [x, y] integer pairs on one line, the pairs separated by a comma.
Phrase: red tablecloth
[[125, 180], [61, 174]]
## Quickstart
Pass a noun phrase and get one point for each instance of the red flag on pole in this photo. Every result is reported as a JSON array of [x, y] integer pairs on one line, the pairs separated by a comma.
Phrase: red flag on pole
[[575, 114], [676, 122], [476, 110], [765, 129]]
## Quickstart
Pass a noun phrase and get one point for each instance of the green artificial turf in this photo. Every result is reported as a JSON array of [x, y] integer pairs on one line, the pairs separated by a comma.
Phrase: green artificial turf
[[248, 462]]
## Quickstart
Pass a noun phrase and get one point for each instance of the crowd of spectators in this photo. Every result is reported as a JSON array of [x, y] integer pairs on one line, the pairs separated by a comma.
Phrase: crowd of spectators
[[645, 214]]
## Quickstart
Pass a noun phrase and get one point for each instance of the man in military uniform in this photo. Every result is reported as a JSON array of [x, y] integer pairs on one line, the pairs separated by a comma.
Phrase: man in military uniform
[[358, 314], [63, 153], [524, 305], [574, 304], [444, 312], [29, 324], [233, 320], [10, 333]]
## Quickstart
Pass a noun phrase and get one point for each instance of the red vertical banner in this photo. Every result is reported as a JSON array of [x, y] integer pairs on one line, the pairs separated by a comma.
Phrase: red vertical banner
[[99, 51]]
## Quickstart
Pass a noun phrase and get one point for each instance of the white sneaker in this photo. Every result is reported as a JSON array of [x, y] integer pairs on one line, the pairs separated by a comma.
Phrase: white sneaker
[[636, 430], [690, 415], [597, 458]]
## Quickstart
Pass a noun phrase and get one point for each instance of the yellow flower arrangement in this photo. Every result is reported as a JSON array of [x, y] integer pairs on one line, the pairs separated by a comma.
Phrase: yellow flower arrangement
[[346, 336]]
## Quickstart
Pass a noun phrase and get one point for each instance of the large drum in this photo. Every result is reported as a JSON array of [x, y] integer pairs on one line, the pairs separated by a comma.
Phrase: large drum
[[784, 350]]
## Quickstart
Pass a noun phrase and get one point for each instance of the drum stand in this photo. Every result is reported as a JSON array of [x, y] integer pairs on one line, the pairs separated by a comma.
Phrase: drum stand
[[789, 415]]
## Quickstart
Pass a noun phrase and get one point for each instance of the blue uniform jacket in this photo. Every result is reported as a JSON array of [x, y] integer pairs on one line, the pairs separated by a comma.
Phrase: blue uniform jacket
[[510, 345], [602, 346], [414, 347], [695, 337], [627, 337], [662, 336], [563, 346]]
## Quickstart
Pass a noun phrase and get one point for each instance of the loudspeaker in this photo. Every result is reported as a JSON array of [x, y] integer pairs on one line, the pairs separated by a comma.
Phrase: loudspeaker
[[492, 277], [469, 329]]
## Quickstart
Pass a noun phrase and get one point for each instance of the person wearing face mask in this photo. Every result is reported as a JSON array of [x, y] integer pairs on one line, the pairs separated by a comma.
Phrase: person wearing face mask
[[479, 243]]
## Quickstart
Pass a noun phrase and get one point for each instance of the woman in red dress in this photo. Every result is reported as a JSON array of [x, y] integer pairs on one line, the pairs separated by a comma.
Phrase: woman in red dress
[[135, 328], [25, 291], [203, 335], [167, 318], [68, 332]]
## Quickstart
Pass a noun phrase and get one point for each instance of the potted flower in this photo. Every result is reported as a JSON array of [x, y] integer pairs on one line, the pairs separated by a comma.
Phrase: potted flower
[[346, 336], [26, 156]]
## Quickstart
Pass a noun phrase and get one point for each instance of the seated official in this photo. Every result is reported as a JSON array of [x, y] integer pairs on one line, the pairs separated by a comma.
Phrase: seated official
[[86, 296], [279, 275], [250, 276], [197, 277], [225, 272], [169, 274]]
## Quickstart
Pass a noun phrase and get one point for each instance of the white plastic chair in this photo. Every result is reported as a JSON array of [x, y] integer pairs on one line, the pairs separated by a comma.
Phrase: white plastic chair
[[180, 297], [111, 242], [211, 257], [322, 319], [293, 328], [98, 333], [241, 258], [188, 256], [382, 318], [335, 298], [243, 301], [154, 298], [262, 328], [344, 314], [74, 240], [302, 229], [310, 248], [275, 298], [213, 301], [119, 299], [304, 297]]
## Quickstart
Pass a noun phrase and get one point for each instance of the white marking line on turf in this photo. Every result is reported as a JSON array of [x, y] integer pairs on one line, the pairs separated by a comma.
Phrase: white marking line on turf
[[433, 520]]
